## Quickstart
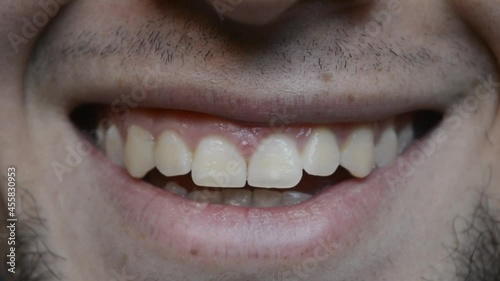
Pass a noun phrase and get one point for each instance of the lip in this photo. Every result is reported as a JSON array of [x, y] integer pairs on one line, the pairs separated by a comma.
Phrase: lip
[[218, 234], [259, 108]]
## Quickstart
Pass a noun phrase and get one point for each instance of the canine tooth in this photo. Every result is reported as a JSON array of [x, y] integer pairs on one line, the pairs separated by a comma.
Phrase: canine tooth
[[293, 197], [217, 163], [206, 196], [266, 198], [237, 197], [357, 154], [275, 164], [172, 156], [175, 188], [386, 149], [405, 137], [139, 152], [113, 145], [321, 156]]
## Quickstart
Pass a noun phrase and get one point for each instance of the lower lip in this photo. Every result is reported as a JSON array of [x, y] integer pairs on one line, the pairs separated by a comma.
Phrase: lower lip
[[224, 234]]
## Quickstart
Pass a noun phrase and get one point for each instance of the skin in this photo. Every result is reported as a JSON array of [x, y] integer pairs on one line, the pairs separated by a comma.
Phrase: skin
[[409, 239]]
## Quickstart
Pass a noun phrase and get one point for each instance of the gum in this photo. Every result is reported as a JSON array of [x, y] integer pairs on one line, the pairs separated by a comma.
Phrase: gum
[[192, 127]]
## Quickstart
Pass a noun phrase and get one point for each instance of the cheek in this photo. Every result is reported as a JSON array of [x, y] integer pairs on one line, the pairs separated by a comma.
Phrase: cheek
[[484, 16], [494, 142]]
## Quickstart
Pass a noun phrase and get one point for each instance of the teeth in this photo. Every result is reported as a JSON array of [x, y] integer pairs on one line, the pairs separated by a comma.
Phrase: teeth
[[139, 152], [405, 138], [386, 150], [293, 198], [176, 188], [321, 156], [266, 198], [217, 163], [172, 156], [113, 145], [275, 164], [237, 197], [357, 154], [206, 196]]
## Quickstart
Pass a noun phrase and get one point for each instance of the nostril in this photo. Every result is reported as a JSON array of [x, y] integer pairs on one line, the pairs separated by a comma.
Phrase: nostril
[[252, 12]]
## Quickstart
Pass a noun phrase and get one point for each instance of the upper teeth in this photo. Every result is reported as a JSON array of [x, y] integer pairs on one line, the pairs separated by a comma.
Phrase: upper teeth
[[139, 152], [276, 162], [358, 152], [172, 156], [217, 163], [387, 147], [321, 155], [405, 137], [114, 145]]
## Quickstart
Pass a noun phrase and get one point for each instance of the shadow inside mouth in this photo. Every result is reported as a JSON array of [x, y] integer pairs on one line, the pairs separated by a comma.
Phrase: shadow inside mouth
[[424, 122]]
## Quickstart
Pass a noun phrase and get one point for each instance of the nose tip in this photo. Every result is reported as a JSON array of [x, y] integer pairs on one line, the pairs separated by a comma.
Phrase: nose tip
[[252, 12]]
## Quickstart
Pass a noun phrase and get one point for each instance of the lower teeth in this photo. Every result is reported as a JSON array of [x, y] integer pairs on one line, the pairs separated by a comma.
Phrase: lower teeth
[[259, 198], [248, 196]]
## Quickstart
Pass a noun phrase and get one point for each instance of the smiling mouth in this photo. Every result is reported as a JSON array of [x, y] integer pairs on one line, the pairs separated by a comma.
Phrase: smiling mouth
[[227, 191], [217, 161]]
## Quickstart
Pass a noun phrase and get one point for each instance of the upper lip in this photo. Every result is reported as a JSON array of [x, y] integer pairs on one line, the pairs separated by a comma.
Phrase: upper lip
[[306, 105], [412, 78], [310, 67], [342, 98]]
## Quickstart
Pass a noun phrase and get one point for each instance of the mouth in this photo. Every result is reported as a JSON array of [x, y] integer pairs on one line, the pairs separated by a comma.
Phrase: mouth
[[207, 186], [213, 160]]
